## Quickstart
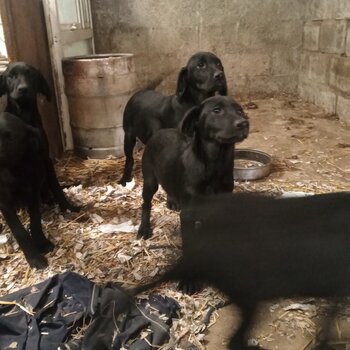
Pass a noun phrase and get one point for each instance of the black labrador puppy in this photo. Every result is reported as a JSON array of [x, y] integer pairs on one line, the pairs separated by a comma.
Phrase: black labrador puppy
[[148, 111], [22, 173], [22, 82], [195, 159], [256, 248]]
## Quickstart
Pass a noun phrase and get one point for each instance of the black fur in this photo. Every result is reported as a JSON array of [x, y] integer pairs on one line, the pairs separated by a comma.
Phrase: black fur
[[195, 159], [148, 111], [21, 83], [256, 248], [22, 173]]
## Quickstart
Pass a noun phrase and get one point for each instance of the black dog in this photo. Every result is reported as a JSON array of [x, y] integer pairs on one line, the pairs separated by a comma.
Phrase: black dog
[[256, 248], [22, 82], [22, 173], [195, 160], [148, 111]]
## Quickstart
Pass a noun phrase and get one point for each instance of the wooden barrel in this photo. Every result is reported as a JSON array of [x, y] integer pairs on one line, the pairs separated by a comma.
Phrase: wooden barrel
[[97, 89]]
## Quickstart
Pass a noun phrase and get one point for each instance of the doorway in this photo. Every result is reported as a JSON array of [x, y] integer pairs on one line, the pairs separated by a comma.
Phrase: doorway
[[70, 33]]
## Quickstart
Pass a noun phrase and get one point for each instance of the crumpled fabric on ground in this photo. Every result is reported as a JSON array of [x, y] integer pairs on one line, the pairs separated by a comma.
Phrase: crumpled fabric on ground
[[52, 307], [119, 323], [44, 316]]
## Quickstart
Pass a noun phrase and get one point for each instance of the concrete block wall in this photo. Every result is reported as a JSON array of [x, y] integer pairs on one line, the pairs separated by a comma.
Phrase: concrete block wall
[[259, 41], [267, 46], [324, 75]]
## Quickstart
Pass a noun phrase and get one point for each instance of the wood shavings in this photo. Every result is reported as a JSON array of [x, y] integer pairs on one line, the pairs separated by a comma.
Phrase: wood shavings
[[123, 227], [2, 302]]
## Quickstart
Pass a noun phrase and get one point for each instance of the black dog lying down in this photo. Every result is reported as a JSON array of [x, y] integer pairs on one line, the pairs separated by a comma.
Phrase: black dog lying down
[[256, 248], [148, 111], [22, 173], [196, 159], [22, 82]]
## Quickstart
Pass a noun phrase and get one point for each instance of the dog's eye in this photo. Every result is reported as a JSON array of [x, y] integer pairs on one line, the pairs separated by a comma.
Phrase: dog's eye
[[201, 65], [219, 65], [243, 114], [217, 110], [239, 111]]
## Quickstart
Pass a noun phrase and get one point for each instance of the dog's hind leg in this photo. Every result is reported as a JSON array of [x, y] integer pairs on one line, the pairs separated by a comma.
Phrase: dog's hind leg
[[31, 253], [129, 144], [43, 244], [239, 339], [324, 335]]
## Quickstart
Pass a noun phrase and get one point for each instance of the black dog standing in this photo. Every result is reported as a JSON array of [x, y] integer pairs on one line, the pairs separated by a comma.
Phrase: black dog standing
[[22, 173], [22, 82], [148, 111], [195, 160]]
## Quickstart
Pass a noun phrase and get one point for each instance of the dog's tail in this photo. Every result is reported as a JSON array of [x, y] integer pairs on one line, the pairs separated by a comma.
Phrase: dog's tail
[[174, 274]]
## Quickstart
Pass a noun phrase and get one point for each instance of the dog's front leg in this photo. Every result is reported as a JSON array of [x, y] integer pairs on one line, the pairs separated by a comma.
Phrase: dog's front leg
[[31, 253], [43, 244], [56, 188]]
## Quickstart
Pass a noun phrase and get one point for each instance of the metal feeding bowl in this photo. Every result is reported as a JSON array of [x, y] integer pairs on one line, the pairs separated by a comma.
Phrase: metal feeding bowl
[[251, 164]]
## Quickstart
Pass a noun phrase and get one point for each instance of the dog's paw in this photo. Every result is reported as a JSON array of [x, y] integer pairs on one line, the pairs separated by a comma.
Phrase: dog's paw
[[189, 287], [68, 206], [124, 180], [37, 262], [323, 346], [172, 204], [144, 232], [45, 246]]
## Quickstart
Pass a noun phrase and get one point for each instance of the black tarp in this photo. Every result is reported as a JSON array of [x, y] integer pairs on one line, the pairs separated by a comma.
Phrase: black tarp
[[52, 310]]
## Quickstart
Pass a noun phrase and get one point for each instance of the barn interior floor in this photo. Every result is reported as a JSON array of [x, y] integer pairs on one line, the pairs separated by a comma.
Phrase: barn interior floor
[[311, 153], [310, 149]]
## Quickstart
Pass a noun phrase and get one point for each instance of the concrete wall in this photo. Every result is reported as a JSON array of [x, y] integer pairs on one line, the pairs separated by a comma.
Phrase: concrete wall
[[267, 46], [259, 41], [325, 59]]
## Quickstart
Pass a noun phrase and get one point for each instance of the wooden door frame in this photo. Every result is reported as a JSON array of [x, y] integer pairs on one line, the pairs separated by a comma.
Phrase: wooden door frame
[[57, 38], [55, 45]]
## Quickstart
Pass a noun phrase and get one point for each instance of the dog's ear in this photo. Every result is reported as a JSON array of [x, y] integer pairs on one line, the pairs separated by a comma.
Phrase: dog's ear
[[43, 86], [3, 84], [182, 83], [189, 121]]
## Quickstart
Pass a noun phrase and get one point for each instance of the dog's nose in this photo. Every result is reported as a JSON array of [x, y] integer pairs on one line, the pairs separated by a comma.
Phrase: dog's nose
[[23, 89], [218, 75], [241, 124]]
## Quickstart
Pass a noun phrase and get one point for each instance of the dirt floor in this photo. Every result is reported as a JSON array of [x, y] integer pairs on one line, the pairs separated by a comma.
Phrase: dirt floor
[[311, 153]]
